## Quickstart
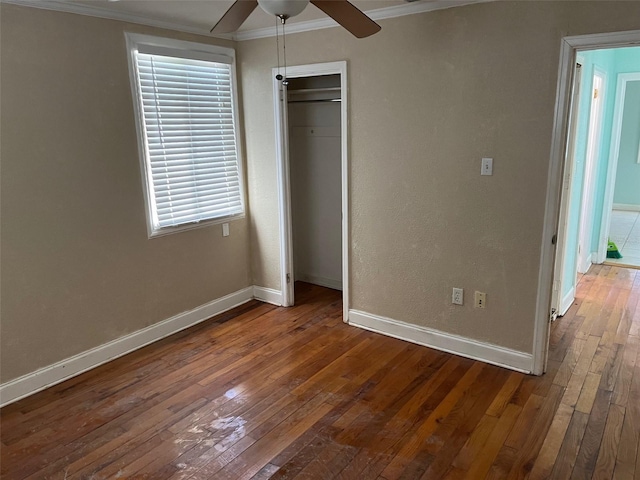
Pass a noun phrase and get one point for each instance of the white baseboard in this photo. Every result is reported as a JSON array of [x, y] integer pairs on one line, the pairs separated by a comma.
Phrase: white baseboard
[[58, 372], [626, 207], [322, 281], [567, 301], [586, 265], [466, 347], [268, 295]]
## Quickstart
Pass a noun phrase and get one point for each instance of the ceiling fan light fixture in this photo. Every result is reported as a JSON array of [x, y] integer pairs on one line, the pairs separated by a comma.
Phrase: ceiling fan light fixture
[[283, 8], [342, 11]]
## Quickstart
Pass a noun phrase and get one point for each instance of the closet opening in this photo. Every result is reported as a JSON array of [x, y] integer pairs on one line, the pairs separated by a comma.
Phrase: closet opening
[[311, 121], [313, 105]]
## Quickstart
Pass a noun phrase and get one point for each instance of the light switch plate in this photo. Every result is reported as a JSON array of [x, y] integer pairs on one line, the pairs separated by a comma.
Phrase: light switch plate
[[480, 299], [487, 166], [225, 229]]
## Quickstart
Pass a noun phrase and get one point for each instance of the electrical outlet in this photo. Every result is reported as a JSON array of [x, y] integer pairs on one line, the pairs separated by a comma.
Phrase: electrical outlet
[[225, 229], [457, 297], [480, 299]]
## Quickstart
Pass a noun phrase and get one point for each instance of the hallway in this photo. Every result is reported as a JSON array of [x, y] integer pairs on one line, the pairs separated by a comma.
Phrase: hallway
[[625, 233]]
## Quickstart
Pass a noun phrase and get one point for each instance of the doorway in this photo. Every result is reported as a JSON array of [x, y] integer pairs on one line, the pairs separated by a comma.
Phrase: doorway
[[623, 196], [560, 254], [590, 166], [311, 138], [314, 163]]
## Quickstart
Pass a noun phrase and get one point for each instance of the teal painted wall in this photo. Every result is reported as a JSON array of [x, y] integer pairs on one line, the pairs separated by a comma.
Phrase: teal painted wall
[[611, 62], [627, 189], [625, 60]]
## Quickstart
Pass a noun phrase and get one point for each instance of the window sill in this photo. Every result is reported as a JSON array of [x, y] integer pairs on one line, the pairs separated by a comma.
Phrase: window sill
[[162, 232]]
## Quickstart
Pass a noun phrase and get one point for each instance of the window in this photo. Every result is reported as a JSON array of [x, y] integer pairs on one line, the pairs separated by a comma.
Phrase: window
[[184, 95]]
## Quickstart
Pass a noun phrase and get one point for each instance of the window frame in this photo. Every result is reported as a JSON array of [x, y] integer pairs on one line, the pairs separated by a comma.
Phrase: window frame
[[198, 51]]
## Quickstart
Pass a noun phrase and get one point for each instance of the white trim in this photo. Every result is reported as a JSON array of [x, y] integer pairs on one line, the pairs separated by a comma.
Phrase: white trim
[[322, 281], [596, 41], [284, 186], [296, 27], [70, 367], [377, 14], [280, 113], [567, 301], [567, 190], [588, 261], [552, 208], [626, 207], [594, 137], [411, 8], [268, 295], [163, 46], [447, 342], [101, 12], [612, 168], [568, 48]]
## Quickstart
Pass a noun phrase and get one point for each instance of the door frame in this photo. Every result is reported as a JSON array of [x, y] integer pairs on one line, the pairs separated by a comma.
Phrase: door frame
[[569, 46], [284, 180], [558, 302], [614, 153], [594, 138]]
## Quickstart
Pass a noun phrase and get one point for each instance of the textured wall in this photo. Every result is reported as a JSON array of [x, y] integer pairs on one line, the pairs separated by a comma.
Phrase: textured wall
[[77, 267], [625, 60], [316, 201], [428, 97]]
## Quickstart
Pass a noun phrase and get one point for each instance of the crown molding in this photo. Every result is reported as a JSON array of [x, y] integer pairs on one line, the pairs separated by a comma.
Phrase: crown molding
[[409, 8], [94, 11], [376, 14]]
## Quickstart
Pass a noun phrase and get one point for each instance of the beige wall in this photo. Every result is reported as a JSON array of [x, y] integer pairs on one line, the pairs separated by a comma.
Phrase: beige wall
[[428, 97], [77, 267]]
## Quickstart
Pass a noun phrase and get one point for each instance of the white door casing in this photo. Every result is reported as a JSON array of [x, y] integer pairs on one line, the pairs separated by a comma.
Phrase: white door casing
[[284, 185], [558, 302], [614, 151], [284, 190], [591, 163]]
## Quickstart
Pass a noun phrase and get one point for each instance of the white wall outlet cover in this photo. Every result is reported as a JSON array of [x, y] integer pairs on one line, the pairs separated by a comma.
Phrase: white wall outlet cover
[[457, 296], [225, 229]]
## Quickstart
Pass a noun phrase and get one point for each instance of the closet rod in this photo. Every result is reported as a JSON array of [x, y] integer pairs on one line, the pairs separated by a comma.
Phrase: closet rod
[[316, 101]]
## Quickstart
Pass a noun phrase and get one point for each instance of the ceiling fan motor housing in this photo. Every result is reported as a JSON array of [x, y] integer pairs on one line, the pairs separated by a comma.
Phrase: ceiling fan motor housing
[[283, 8]]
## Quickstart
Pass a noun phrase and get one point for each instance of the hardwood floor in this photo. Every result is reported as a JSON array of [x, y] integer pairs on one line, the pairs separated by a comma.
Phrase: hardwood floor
[[265, 392]]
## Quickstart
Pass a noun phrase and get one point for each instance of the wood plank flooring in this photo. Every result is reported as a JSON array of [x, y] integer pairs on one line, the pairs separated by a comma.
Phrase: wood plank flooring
[[265, 392]]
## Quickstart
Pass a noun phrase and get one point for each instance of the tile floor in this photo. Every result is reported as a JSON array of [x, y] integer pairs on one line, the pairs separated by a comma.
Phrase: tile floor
[[625, 232]]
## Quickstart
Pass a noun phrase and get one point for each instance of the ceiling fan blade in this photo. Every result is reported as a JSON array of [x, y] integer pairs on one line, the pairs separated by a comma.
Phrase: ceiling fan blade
[[235, 16], [349, 16]]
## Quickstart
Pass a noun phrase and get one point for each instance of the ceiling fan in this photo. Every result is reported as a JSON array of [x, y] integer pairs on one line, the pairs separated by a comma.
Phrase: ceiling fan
[[343, 12]]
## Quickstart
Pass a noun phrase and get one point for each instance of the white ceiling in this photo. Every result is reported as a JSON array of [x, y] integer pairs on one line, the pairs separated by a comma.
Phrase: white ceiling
[[198, 16]]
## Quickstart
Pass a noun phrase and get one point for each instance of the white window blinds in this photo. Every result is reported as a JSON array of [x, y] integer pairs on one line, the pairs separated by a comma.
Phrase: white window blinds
[[190, 138]]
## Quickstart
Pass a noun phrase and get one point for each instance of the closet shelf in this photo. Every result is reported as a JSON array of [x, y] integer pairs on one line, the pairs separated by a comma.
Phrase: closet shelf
[[313, 90]]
